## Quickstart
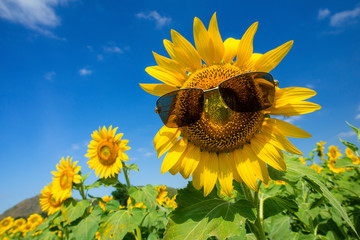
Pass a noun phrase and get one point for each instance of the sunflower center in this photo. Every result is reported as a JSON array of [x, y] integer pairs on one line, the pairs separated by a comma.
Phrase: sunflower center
[[53, 202], [219, 129], [66, 179], [107, 152]]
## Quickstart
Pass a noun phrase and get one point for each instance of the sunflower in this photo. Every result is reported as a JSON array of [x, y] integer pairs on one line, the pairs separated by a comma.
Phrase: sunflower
[[18, 223], [106, 152], [317, 168], [320, 148], [105, 200], [35, 219], [6, 224], [333, 153], [65, 177], [224, 144], [350, 154], [302, 160], [161, 194], [48, 202]]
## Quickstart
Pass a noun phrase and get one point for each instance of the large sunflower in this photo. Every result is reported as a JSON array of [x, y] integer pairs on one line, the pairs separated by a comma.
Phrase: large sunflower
[[225, 145], [106, 152], [48, 202], [65, 177]]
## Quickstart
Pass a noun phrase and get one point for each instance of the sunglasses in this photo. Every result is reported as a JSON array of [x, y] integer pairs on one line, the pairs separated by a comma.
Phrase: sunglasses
[[247, 92]]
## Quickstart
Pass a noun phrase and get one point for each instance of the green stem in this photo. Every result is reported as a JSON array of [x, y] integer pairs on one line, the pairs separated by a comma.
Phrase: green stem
[[257, 227], [127, 178], [138, 233]]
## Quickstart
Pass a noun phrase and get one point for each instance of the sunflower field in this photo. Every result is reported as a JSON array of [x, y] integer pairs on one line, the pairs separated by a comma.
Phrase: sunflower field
[[221, 110]]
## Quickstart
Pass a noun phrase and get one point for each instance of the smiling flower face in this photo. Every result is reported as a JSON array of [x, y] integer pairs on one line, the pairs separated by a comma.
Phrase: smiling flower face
[[223, 144]]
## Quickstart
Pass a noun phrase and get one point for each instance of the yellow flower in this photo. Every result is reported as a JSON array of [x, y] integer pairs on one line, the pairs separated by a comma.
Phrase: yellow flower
[[317, 168], [224, 144], [331, 165], [302, 160], [65, 177], [280, 182], [320, 148], [6, 223], [350, 154], [137, 205], [18, 223], [35, 219], [106, 152], [98, 236], [333, 153], [170, 202], [105, 199], [160, 198], [27, 227], [48, 202]]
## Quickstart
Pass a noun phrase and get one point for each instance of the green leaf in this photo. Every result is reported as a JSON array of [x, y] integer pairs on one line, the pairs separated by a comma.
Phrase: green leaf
[[275, 205], [294, 167], [75, 210], [85, 177], [199, 217], [344, 162], [146, 195], [112, 205], [87, 227], [132, 166], [355, 129], [278, 227], [350, 145], [120, 223], [107, 182], [275, 174]]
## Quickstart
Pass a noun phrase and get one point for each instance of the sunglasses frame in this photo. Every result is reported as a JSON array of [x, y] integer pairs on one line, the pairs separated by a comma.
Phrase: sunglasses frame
[[272, 80]]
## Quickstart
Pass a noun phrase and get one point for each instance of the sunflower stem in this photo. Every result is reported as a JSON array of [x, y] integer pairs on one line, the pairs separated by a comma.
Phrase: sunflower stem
[[127, 178], [257, 227], [138, 233]]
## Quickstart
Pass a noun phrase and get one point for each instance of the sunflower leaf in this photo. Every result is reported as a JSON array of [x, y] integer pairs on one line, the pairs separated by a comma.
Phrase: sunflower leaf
[[275, 205], [132, 166], [355, 130], [146, 195], [344, 162], [199, 217], [74, 210], [295, 168], [87, 228], [350, 145], [120, 223]]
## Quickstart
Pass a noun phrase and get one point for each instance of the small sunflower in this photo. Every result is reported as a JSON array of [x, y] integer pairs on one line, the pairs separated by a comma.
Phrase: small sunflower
[[106, 152], [105, 200], [331, 165], [6, 223], [48, 202], [65, 177], [225, 145], [320, 148], [161, 194], [350, 154], [18, 223], [317, 168], [333, 153], [35, 219], [302, 160]]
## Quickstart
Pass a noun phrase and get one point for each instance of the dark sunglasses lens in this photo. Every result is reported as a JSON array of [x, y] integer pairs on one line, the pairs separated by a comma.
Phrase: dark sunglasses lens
[[181, 108], [248, 92]]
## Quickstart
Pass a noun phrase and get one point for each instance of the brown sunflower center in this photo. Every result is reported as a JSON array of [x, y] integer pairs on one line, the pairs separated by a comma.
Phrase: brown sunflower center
[[53, 202], [66, 179], [107, 152], [219, 129]]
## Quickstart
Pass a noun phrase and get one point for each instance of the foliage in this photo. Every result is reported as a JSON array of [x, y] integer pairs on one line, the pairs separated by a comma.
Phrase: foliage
[[317, 197]]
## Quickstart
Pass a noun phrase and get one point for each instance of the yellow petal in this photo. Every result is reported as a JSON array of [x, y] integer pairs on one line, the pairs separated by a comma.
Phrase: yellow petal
[[177, 167], [157, 89], [244, 168], [189, 55], [164, 75], [202, 42], [215, 36], [210, 173], [267, 153], [198, 175], [171, 65], [284, 96], [253, 59], [245, 49], [163, 136], [169, 143], [190, 160], [276, 138], [233, 167], [173, 156], [258, 165], [293, 109], [231, 46], [288, 129], [225, 173], [272, 58]]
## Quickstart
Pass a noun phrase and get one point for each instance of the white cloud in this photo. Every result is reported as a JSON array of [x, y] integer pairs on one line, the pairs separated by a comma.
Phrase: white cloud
[[49, 76], [357, 116], [323, 13], [345, 17], [84, 72], [293, 119], [310, 86], [113, 49], [154, 15], [148, 154], [38, 15], [347, 134], [100, 57], [75, 146]]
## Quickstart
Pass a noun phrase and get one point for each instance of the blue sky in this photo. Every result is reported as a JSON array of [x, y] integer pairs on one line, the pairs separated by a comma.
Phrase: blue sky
[[70, 66]]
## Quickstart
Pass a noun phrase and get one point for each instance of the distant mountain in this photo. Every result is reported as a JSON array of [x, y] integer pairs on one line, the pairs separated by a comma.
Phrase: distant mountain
[[24, 209]]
